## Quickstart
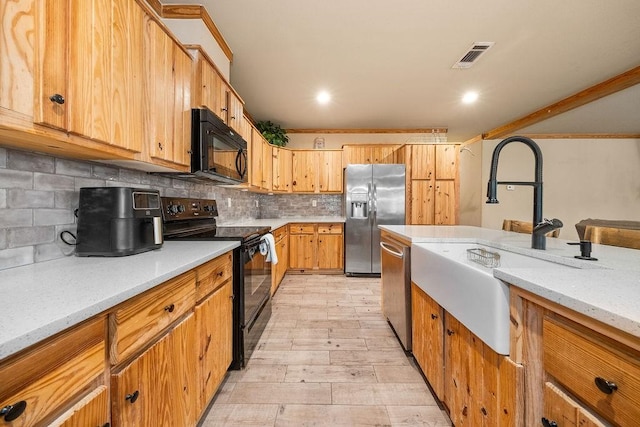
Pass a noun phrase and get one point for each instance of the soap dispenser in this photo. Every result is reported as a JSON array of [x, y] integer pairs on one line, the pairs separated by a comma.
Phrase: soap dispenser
[[585, 250]]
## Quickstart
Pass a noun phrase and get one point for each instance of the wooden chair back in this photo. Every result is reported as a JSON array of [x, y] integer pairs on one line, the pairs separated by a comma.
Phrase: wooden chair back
[[623, 237], [525, 227]]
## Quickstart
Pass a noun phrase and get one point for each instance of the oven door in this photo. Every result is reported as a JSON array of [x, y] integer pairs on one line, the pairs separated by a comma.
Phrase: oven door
[[257, 280]]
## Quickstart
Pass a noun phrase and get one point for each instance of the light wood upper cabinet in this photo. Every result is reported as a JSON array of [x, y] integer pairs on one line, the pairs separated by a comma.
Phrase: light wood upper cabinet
[[267, 164], [317, 171], [304, 171], [330, 171], [432, 186], [168, 93], [369, 153], [255, 158], [446, 161], [282, 172], [423, 161]]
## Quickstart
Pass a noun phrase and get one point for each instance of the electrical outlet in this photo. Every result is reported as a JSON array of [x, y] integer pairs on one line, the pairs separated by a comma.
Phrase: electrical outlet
[[314, 203], [511, 187], [257, 203], [229, 201]]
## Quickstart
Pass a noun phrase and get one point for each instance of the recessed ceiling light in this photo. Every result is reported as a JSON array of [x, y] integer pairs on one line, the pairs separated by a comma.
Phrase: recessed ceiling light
[[470, 97], [323, 97]]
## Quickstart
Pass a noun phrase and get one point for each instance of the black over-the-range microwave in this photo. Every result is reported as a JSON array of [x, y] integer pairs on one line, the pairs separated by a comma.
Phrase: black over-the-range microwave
[[217, 151]]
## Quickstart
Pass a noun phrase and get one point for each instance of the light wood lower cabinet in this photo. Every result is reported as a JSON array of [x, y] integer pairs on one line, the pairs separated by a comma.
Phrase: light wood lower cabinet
[[93, 410], [578, 370], [316, 247], [281, 237], [159, 386], [45, 381], [428, 338], [214, 319], [476, 385]]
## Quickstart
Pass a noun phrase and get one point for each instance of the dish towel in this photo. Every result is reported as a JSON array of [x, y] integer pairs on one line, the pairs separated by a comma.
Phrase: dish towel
[[268, 245]]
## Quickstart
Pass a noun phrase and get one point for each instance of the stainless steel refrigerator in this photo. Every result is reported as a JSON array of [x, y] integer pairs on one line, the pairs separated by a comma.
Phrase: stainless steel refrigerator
[[374, 195]]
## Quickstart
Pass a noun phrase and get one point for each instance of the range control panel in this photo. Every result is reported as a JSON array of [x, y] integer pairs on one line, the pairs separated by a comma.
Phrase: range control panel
[[180, 208]]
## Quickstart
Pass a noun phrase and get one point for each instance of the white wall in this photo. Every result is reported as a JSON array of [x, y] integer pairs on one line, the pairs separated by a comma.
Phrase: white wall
[[583, 178], [193, 31], [471, 185], [336, 141]]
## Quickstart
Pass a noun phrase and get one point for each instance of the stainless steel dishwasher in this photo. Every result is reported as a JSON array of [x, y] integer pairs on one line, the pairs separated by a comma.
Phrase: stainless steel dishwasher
[[395, 258]]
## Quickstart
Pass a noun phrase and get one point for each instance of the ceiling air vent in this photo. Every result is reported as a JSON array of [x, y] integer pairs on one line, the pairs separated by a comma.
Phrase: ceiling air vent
[[475, 51]]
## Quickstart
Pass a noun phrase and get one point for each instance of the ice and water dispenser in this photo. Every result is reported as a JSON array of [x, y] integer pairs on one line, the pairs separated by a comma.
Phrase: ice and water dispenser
[[359, 202]]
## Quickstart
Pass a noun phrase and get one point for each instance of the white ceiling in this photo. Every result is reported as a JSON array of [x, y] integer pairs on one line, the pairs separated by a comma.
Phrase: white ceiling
[[388, 64]]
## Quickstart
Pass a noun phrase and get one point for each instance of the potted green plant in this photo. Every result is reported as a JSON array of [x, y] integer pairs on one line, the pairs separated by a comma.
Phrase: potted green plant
[[273, 133]]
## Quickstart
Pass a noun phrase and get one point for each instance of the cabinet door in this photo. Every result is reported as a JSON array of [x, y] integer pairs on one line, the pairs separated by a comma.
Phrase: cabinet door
[[446, 161], [181, 86], [255, 158], [92, 410], [423, 161], [158, 53], [429, 331], [304, 171], [330, 251], [281, 169], [90, 67], [422, 202], [356, 155], [214, 319], [235, 111], [383, 153], [456, 374], [302, 249], [267, 165], [330, 171], [51, 92], [158, 387], [445, 203]]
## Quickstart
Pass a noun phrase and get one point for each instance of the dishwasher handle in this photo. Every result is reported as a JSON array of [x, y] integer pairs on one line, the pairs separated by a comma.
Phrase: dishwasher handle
[[390, 249]]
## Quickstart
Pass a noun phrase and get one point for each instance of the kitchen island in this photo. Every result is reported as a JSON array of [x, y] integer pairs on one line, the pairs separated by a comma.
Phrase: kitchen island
[[574, 351]]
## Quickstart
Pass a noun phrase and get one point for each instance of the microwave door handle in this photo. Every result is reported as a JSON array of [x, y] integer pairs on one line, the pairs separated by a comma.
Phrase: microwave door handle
[[241, 156]]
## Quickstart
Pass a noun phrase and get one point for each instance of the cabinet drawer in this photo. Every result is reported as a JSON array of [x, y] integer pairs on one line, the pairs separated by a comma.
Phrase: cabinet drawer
[[577, 360], [280, 233], [329, 228], [92, 410], [213, 274], [301, 228], [134, 323], [561, 409], [49, 376]]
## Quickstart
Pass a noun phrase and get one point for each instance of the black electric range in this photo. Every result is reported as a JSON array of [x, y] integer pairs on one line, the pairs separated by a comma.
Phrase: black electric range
[[195, 219]]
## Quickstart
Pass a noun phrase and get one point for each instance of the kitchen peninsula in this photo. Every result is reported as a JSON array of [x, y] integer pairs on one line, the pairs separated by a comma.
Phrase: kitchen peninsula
[[574, 335]]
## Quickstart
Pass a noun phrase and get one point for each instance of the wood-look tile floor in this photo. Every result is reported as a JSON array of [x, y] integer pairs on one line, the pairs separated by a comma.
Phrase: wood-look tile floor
[[326, 358]]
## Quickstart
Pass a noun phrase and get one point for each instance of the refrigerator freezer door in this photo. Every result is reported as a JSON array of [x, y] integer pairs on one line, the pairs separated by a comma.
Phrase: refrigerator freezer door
[[374, 194], [388, 204], [358, 219]]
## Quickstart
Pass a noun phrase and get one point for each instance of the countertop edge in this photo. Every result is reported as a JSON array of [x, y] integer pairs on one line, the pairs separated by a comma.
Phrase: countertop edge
[[40, 330]]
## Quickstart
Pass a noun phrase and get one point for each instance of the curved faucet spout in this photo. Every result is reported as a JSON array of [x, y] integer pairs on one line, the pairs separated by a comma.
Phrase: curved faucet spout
[[537, 241]]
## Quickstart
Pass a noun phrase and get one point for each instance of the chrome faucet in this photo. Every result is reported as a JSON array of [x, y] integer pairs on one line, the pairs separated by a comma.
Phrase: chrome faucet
[[540, 226]]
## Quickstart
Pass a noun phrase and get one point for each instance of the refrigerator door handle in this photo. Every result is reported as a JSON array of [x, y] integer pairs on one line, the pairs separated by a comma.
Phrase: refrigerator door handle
[[390, 249], [369, 203], [375, 204]]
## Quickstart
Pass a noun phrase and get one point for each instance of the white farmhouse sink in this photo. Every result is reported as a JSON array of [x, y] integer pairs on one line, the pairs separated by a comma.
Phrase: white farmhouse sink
[[468, 290]]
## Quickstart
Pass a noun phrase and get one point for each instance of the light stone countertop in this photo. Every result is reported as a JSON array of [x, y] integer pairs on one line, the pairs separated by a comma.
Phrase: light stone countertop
[[279, 222], [607, 290], [40, 300]]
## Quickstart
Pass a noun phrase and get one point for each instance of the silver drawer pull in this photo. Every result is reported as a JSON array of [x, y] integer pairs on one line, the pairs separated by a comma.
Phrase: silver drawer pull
[[390, 249]]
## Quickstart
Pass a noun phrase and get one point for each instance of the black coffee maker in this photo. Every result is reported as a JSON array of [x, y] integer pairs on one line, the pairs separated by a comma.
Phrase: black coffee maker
[[118, 221]]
